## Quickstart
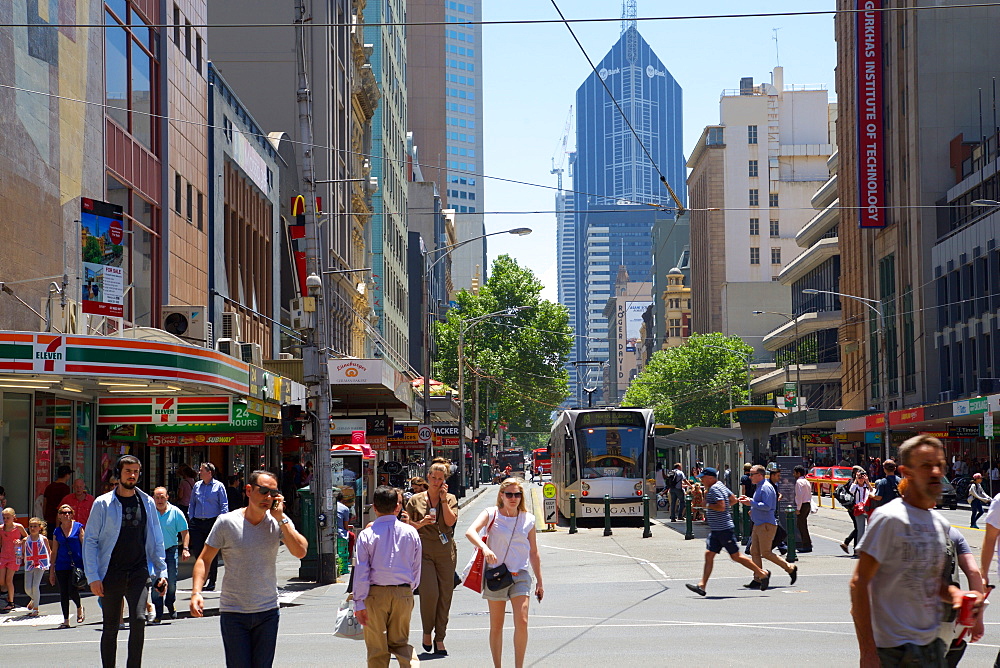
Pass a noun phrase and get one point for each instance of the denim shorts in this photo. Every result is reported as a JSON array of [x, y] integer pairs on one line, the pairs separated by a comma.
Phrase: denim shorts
[[520, 587], [717, 540]]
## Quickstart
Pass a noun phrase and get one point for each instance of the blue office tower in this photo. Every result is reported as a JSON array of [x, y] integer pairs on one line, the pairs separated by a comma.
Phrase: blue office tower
[[615, 181]]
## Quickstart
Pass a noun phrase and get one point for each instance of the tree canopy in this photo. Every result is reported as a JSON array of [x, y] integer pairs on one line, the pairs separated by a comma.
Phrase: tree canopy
[[689, 385], [520, 360]]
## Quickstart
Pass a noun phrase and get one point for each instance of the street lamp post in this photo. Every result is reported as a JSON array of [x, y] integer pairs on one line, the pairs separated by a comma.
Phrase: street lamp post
[[883, 344], [463, 327], [798, 358], [429, 265]]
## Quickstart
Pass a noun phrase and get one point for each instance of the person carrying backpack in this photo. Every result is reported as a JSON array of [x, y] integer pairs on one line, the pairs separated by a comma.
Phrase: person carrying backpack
[[977, 498], [887, 488]]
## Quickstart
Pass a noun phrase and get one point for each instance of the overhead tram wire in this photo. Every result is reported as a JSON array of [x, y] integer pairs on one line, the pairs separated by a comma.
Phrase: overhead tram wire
[[516, 22]]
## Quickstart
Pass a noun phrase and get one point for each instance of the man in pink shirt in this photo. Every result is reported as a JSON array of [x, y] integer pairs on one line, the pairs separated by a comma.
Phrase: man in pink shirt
[[387, 572], [80, 501]]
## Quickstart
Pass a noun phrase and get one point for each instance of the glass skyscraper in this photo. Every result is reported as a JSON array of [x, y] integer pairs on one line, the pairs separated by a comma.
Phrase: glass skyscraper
[[615, 182]]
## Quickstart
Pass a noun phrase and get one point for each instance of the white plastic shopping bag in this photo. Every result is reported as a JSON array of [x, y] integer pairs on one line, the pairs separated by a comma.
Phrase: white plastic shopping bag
[[347, 625]]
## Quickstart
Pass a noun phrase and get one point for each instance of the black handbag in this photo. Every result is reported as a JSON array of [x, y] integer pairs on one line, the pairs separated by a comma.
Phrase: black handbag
[[499, 577], [80, 579]]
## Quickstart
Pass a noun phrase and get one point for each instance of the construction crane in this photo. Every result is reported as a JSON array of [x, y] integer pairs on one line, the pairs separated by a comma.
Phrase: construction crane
[[561, 152]]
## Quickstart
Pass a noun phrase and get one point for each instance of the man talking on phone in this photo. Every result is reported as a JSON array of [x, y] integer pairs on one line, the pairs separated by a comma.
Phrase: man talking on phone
[[248, 539], [122, 552]]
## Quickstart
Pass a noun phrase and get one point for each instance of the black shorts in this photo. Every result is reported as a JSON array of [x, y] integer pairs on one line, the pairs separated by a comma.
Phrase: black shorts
[[717, 540]]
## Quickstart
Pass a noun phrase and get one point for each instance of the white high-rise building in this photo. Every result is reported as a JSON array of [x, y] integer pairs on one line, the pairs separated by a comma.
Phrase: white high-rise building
[[758, 170]]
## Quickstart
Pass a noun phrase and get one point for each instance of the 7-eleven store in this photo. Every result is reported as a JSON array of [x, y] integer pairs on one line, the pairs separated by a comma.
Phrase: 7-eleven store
[[82, 401]]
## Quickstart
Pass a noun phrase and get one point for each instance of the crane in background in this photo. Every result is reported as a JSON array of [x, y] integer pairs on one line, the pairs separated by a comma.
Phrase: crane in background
[[561, 152]]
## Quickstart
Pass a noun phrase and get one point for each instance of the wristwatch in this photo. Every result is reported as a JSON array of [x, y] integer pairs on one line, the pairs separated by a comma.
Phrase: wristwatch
[[285, 520]]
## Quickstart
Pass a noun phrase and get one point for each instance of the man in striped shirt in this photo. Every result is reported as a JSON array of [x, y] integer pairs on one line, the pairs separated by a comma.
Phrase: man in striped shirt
[[718, 500]]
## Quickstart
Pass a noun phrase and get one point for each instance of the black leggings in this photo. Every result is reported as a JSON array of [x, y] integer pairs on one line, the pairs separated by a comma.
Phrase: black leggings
[[67, 591]]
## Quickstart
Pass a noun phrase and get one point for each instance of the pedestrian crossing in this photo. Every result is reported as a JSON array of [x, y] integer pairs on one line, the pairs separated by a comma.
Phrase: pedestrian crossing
[[21, 618]]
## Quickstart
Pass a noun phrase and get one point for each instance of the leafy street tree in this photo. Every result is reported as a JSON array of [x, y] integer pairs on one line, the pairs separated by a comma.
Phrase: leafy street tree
[[520, 359], [689, 385]]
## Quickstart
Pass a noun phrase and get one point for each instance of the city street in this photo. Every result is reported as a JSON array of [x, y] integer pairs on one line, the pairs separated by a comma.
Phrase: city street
[[609, 600]]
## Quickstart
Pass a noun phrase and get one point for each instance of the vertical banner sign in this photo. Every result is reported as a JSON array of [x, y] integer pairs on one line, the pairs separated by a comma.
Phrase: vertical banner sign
[[791, 394], [102, 243], [871, 140]]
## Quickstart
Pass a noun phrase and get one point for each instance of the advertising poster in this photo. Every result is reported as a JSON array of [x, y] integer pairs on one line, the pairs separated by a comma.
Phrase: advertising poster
[[633, 324], [102, 240]]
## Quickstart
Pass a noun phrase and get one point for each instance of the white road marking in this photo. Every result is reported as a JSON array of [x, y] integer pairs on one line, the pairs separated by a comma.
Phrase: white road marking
[[22, 619], [644, 562], [287, 597]]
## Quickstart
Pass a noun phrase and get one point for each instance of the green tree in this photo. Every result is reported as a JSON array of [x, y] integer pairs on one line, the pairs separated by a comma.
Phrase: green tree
[[689, 385], [520, 359]]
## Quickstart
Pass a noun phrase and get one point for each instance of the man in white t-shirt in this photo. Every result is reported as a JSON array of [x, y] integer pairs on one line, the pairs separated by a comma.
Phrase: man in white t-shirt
[[897, 588], [992, 519]]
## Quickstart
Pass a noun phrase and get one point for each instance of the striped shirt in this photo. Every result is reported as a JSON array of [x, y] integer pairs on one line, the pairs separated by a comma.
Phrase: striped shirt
[[718, 520]]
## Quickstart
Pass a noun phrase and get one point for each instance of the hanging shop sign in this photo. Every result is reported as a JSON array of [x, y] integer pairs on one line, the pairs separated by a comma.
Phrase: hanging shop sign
[[163, 410], [871, 159], [964, 431], [405, 437], [102, 245], [160, 440]]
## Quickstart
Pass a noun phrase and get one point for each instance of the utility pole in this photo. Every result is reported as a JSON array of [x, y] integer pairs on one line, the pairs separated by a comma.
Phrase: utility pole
[[314, 351]]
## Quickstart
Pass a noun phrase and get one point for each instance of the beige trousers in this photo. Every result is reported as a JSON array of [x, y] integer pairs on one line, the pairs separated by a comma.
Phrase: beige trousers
[[388, 629], [760, 546]]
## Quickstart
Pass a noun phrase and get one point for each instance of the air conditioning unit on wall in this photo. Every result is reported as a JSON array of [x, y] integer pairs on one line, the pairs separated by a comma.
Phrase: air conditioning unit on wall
[[187, 322], [228, 347], [231, 326], [251, 353]]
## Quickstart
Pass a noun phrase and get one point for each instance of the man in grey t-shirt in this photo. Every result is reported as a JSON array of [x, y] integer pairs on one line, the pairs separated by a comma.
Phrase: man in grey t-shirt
[[248, 539]]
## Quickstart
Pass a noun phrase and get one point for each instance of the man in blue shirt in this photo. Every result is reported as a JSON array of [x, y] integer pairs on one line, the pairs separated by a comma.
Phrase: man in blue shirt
[[172, 526], [122, 550], [718, 500], [208, 501], [762, 508]]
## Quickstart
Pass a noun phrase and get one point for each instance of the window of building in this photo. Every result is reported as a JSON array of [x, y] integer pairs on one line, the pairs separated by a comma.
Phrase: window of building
[[754, 197], [177, 25], [178, 194], [751, 134], [752, 168], [774, 229], [755, 227], [776, 255], [190, 202], [754, 256], [715, 137], [201, 211], [198, 54], [675, 327], [772, 200], [187, 40]]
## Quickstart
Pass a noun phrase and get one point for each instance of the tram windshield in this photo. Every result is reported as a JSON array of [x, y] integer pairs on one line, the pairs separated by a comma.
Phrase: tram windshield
[[611, 452]]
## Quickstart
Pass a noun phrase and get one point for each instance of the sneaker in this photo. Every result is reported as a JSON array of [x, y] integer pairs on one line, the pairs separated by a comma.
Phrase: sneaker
[[696, 589], [765, 581], [843, 546], [154, 621], [973, 527], [150, 616], [753, 584], [794, 574]]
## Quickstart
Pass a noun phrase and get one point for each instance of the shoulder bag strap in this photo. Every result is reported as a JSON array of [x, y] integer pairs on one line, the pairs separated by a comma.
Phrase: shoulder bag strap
[[512, 532]]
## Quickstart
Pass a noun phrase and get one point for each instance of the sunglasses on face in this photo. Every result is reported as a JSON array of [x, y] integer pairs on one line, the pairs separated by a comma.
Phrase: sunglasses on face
[[512, 495], [65, 512], [268, 491]]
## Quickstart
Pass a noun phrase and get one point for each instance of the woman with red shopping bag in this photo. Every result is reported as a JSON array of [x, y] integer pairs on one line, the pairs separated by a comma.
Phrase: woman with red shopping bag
[[504, 551]]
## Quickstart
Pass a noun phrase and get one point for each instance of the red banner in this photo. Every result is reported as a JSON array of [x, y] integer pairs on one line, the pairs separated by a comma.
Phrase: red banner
[[205, 439], [871, 142]]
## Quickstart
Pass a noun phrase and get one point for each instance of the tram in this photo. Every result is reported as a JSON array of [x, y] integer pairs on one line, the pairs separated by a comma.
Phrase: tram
[[603, 451]]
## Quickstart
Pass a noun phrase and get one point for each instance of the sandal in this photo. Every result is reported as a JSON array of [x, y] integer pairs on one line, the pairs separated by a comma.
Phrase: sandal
[[64, 625], [81, 615]]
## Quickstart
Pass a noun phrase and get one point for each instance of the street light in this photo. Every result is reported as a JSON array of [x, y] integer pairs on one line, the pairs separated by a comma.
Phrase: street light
[[798, 359], [428, 266], [871, 303], [463, 327]]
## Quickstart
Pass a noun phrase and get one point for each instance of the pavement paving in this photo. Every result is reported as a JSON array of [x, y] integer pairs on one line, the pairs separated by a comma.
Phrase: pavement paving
[[610, 600]]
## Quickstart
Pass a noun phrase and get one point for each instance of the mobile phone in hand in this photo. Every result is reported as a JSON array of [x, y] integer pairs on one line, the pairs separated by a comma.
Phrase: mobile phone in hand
[[274, 504]]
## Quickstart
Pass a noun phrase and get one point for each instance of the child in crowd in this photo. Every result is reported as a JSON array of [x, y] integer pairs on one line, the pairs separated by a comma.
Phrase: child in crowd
[[11, 534], [36, 562]]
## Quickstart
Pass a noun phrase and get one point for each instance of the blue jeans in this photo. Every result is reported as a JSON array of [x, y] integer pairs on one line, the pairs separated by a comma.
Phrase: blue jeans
[[977, 510], [249, 638], [171, 595]]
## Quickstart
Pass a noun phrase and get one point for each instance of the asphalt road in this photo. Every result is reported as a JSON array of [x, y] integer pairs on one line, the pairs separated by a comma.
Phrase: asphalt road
[[610, 600]]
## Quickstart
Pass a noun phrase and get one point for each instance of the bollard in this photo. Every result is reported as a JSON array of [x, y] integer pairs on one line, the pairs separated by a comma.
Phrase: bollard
[[572, 513], [607, 515], [646, 533], [745, 512], [688, 524], [790, 529], [737, 522]]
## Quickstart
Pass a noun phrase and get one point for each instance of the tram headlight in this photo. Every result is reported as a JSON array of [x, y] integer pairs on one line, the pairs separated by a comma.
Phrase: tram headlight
[[638, 486]]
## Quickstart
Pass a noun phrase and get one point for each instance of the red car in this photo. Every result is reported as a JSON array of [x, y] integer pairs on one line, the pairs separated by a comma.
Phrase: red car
[[829, 477]]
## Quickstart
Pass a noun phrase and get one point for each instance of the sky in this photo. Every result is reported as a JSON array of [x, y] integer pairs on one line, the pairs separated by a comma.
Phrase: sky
[[531, 73]]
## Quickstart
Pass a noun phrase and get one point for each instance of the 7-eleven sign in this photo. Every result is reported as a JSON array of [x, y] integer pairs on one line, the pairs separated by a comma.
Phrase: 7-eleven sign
[[163, 410]]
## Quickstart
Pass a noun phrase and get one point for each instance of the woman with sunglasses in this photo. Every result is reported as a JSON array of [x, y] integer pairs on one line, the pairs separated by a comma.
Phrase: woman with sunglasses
[[67, 552], [511, 534], [862, 489], [433, 514]]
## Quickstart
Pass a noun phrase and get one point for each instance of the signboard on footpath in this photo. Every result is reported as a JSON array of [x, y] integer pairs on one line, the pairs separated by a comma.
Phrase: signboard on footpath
[[786, 485]]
